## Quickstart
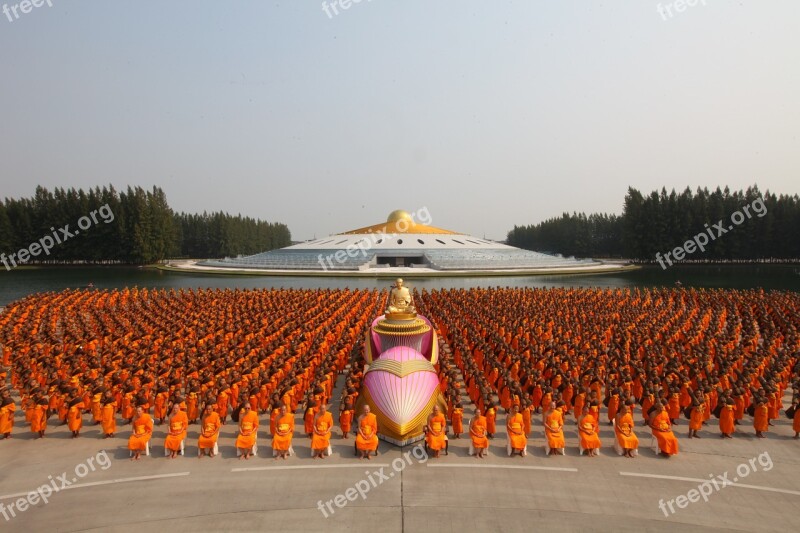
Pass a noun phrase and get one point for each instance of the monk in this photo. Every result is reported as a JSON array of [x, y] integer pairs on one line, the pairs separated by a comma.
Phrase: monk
[[40, 415], [478, 434], [661, 425], [696, 418], [761, 418], [491, 420], [108, 416], [367, 435], [7, 408], [346, 418], [457, 420], [627, 441], [515, 429], [284, 431], [178, 426], [321, 439], [436, 431], [727, 420], [588, 433], [75, 416], [209, 432], [142, 431], [796, 420], [248, 430], [553, 421]]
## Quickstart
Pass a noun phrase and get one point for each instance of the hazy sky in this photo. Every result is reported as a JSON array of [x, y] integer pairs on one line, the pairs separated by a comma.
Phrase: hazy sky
[[489, 113]]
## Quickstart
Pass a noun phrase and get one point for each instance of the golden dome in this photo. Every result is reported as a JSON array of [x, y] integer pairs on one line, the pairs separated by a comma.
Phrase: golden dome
[[398, 215]]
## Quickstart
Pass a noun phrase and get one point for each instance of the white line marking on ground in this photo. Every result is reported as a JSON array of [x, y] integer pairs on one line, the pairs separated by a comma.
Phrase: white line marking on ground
[[98, 483], [699, 480], [512, 467], [308, 467]]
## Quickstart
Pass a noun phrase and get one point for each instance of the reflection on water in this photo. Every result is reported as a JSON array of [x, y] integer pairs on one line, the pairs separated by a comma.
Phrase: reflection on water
[[18, 283]]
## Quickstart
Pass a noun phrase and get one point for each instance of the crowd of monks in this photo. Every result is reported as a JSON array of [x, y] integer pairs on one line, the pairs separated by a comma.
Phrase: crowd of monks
[[209, 357]]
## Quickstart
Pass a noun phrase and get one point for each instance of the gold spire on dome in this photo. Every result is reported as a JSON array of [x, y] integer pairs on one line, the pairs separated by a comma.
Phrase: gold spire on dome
[[400, 221]]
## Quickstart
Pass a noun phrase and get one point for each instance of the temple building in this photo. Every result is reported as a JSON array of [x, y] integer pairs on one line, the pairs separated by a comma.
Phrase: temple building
[[404, 245]]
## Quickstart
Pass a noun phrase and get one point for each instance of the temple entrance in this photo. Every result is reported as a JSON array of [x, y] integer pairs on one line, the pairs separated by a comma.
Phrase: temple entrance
[[401, 261]]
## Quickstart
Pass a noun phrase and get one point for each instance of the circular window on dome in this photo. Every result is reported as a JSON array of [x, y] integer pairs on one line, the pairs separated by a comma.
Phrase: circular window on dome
[[421, 242], [399, 241]]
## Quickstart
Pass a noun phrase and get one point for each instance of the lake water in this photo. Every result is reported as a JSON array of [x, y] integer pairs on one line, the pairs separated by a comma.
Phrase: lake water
[[21, 282]]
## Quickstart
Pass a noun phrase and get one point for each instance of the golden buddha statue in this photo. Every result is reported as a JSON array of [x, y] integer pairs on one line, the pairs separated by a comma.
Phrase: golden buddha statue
[[401, 304]]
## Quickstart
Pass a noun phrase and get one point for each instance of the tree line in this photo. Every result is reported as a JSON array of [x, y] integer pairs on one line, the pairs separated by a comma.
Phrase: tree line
[[135, 226], [741, 225]]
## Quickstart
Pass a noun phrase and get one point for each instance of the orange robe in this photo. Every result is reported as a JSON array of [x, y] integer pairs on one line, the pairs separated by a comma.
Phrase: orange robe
[[662, 431], [696, 418], [321, 438], [554, 429], [761, 418], [458, 421], [795, 420], [726, 420], [368, 426], [7, 418], [346, 420], [284, 430], [209, 431], [478, 433], [178, 424], [491, 421], [74, 417], [108, 418], [435, 435], [39, 418], [142, 431], [248, 428], [587, 432], [516, 432], [626, 438]]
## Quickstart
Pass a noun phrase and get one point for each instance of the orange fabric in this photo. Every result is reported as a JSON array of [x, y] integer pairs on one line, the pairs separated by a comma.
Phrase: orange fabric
[[284, 431], [209, 433], [178, 424], [436, 436], [248, 429], [478, 433], [367, 436], [142, 431], [321, 438], [662, 431], [554, 429], [623, 430]]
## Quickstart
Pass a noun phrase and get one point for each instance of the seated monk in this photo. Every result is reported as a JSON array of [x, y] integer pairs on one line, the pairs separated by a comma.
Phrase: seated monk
[[662, 431], [367, 435], [400, 300], [553, 421], [517, 441], [478, 434], [588, 433], [209, 432], [142, 431], [627, 441], [321, 439], [178, 424], [436, 431], [284, 430], [248, 430]]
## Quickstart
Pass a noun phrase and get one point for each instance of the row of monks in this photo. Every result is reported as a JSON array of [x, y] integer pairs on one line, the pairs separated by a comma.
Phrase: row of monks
[[554, 352]]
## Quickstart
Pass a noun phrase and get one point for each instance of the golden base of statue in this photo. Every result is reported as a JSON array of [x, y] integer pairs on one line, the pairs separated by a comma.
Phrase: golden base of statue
[[401, 315]]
